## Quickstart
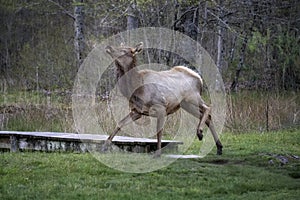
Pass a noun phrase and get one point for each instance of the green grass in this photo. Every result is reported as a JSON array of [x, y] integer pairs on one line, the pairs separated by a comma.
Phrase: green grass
[[243, 172]]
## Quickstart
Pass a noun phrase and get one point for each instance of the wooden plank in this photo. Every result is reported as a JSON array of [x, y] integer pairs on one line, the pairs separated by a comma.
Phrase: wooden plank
[[52, 141]]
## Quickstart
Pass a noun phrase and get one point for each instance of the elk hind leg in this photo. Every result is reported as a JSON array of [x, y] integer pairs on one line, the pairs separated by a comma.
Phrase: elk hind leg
[[203, 108], [211, 127], [192, 109], [197, 107]]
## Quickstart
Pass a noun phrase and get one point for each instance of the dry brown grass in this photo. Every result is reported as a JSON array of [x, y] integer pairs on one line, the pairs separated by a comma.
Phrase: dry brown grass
[[262, 111], [247, 111]]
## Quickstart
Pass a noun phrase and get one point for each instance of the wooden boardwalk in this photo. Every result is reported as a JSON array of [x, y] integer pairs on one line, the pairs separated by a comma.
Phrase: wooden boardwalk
[[54, 141]]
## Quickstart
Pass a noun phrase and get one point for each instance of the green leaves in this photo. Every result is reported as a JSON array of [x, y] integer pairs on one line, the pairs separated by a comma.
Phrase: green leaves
[[257, 42]]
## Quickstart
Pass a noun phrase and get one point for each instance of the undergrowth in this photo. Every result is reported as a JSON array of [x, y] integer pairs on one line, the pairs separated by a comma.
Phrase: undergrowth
[[247, 111]]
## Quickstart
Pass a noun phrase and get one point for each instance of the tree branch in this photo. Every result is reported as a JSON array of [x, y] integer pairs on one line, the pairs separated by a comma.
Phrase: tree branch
[[62, 8], [226, 25]]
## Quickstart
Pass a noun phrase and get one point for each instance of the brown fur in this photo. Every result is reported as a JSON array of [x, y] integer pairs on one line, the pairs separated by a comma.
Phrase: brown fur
[[158, 94]]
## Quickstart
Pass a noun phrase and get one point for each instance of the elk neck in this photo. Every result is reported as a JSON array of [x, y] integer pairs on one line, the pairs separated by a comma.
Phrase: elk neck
[[128, 78]]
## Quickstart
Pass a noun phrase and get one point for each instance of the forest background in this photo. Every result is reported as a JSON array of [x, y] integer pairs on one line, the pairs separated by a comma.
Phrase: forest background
[[254, 43]]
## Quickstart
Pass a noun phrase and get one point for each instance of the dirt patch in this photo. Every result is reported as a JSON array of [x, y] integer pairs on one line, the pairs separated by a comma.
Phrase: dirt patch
[[295, 175], [219, 162]]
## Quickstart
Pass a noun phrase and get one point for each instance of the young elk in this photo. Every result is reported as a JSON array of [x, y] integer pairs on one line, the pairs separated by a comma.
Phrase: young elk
[[158, 94]]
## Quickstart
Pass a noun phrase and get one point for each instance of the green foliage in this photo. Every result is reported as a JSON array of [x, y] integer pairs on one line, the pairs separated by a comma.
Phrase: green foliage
[[78, 3], [288, 53], [46, 68], [257, 42], [245, 171], [36, 50], [37, 47]]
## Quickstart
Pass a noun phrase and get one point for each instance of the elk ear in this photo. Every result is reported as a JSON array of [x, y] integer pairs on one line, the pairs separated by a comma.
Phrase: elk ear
[[138, 48], [108, 49]]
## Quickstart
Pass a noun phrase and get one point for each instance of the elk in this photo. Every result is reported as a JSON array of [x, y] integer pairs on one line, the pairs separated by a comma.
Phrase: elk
[[158, 94]]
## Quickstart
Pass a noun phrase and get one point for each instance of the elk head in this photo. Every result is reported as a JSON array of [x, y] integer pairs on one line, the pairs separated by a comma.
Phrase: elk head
[[124, 56]]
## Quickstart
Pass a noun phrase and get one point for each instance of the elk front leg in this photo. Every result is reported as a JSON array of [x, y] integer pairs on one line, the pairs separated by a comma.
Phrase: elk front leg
[[132, 116], [160, 123], [160, 113]]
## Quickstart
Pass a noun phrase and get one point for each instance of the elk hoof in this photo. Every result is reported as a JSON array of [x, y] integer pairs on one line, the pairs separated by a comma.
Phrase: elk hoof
[[157, 154], [219, 151], [199, 134], [219, 148], [106, 146]]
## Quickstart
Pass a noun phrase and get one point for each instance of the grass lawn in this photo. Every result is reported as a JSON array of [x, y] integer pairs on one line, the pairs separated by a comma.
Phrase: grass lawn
[[250, 168]]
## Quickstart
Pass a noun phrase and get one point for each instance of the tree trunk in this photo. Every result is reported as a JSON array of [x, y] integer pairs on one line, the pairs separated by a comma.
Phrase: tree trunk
[[204, 25], [187, 23], [132, 20], [79, 40], [220, 38], [240, 65], [248, 34]]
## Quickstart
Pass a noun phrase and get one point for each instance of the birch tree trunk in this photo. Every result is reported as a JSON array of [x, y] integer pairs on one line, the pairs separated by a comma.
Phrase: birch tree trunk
[[220, 38], [79, 40], [204, 25], [132, 20], [234, 84]]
